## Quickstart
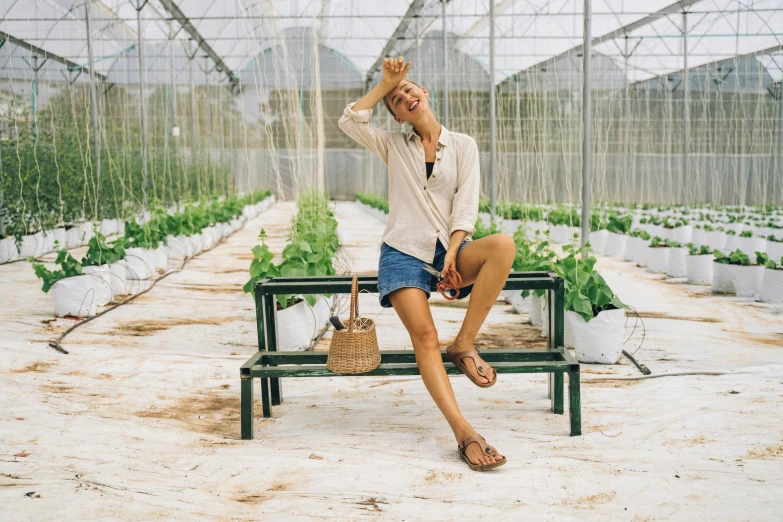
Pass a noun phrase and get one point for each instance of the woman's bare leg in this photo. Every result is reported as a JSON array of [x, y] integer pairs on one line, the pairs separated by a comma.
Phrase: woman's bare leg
[[485, 263], [414, 311]]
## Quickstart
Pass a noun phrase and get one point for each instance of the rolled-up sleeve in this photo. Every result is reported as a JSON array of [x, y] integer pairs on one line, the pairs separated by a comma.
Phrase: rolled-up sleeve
[[356, 124], [464, 211]]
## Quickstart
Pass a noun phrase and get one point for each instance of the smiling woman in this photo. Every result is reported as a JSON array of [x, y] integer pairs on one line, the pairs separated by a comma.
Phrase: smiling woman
[[433, 207]]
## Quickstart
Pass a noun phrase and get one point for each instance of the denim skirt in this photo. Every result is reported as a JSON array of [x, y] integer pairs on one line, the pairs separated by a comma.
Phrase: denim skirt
[[398, 270]]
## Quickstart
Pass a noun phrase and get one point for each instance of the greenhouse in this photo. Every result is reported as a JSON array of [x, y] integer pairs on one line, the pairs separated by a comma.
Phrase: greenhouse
[[430, 194]]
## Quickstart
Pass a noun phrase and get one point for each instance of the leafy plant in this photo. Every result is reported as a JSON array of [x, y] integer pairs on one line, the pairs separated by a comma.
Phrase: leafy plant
[[703, 250], [731, 232], [619, 224], [69, 267], [738, 257], [482, 231], [746, 233], [586, 292], [99, 252], [658, 242], [374, 201]]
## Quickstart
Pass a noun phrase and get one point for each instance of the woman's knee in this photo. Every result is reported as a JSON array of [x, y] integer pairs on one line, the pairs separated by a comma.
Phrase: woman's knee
[[504, 248], [424, 335]]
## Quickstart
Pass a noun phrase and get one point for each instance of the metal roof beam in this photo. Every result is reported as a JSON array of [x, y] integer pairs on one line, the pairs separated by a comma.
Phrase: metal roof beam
[[46, 54], [415, 9], [183, 20], [673, 8]]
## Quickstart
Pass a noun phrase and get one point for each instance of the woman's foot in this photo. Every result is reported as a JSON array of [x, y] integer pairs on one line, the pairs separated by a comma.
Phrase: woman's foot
[[475, 453], [460, 345]]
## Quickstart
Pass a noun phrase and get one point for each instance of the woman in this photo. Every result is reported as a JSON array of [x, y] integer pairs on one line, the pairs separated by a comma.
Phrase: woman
[[433, 206]]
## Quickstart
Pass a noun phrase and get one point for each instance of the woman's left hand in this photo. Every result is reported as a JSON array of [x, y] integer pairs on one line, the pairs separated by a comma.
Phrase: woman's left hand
[[449, 263]]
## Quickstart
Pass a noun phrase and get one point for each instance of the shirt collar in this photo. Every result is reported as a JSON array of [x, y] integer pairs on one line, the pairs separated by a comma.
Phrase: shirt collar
[[443, 139]]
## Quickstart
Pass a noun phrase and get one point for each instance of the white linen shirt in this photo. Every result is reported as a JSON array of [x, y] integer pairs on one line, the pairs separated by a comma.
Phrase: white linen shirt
[[422, 210]]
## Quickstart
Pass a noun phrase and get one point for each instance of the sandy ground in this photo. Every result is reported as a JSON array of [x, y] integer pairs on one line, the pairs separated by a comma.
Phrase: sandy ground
[[141, 420]]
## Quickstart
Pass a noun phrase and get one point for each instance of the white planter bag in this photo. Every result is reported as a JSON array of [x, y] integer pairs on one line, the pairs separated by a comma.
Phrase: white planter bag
[[8, 250], [88, 231], [58, 239], [677, 266], [108, 227], [683, 234], [598, 241], [32, 245], [699, 237], [544, 316], [118, 278], [749, 245], [74, 237], [716, 240], [207, 239], [198, 244], [722, 278], [510, 226], [699, 269], [732, 243], [75, 296], [535, 310], [772, 286], [600, 340], [321, 310], [616, 244], [295, 327], [568, 329], [570, 232], [657, 259], [159, 259], [103, 291], [747, 282], [138, 264], [775, 250], [632, 245], [519, 304]]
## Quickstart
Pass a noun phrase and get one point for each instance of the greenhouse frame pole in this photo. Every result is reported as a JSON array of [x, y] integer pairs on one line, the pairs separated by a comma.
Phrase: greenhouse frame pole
[[586, 88], [173, 95], [446, 71], [96, 135], [686, 109], [626, 130], [780, 137], [493, 136], [418, 52], [142, 107]]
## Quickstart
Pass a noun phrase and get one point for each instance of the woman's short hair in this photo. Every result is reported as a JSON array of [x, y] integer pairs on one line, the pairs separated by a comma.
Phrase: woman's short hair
[[386, 102]]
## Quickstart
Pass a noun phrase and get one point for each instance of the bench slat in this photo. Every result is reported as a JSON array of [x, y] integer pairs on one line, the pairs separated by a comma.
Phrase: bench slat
[[407, 356], [403, 369]]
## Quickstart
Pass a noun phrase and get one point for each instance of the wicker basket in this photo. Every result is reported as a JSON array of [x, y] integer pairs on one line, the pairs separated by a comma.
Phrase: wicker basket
[[354, 350]]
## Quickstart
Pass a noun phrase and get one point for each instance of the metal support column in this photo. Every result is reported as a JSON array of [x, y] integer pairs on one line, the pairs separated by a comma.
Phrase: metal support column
[[626, 175], [686, 110], [669, 180], [142, 105], [779, 172], [446, 71], [586, 88], [493, 153], [96, 134]]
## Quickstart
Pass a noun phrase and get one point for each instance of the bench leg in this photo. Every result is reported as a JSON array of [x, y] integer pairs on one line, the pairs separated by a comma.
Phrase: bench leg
[[265, 403], [246, 408], [574, 403], [556, 392]]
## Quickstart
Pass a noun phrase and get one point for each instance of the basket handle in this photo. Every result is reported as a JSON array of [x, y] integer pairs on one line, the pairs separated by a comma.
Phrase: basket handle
[[354, 302]]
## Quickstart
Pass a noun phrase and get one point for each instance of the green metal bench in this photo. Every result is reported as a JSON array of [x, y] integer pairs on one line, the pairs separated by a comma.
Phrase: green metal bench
[[270, 366]]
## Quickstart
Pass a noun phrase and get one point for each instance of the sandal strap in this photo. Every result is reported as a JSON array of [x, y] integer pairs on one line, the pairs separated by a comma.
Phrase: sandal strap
[[473, 354], [485, 448]]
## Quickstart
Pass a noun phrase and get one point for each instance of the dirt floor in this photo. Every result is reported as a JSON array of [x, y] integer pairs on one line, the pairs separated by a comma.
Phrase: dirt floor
[[141, 420]]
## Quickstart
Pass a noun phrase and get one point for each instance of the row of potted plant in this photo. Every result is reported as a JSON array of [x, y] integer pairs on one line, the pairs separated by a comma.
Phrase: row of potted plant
[[310, 251], [108, 269]]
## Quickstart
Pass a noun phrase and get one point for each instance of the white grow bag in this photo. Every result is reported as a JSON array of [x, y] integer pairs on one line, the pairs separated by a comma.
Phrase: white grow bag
[[138, 263], [295, 327], [699, 269], [772, 286], [519, 304], [598, 241], [75, 296], [103, 291], [616, 244], [535, 310], [699, 237], [601, 339], [722, 278], [657, 259], [8, 251], [747, 280], [775, 250], [677, 265]]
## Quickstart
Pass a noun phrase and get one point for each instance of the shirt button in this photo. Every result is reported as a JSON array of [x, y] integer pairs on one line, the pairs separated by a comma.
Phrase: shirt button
[[425, 188]]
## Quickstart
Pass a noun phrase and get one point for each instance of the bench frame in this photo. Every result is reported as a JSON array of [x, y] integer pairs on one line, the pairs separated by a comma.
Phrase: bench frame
[[269, 366]]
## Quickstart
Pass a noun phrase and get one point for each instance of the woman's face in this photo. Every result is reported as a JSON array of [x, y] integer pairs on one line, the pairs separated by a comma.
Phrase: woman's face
[[408, 101]]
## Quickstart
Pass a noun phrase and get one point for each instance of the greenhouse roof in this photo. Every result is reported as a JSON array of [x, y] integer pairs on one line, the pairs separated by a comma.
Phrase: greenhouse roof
[[232, 35]]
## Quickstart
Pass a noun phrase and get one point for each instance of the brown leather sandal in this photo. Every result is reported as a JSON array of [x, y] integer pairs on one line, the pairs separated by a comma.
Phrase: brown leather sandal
[[487, 449], [457, 360]]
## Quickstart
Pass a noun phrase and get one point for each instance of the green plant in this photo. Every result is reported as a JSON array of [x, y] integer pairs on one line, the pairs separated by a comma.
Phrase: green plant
[[762, 258], [586, 292], [532, 256], [374, 201], [703, 250], [482, 231], [731, 232], [619, 224], [658, 242], [775, 239], [99, 252], [69, 267], [746, 233], [738, 257], [771, 264]]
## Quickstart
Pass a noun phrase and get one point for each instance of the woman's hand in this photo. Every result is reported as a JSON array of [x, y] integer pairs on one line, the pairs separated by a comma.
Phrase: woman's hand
[[449, 263], [394, 70]]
